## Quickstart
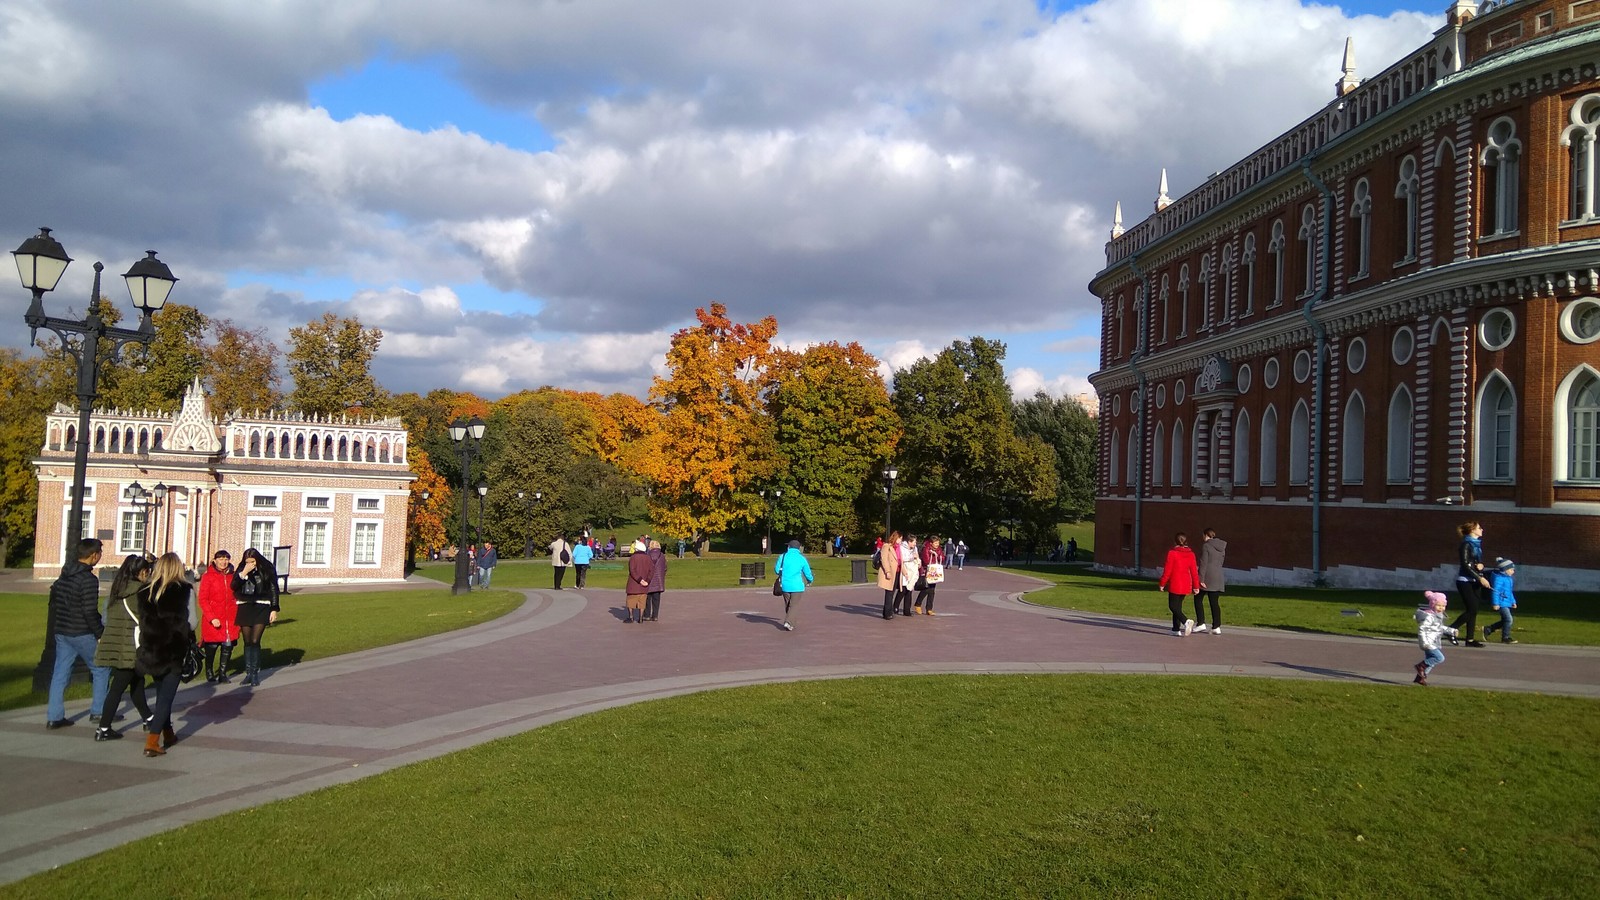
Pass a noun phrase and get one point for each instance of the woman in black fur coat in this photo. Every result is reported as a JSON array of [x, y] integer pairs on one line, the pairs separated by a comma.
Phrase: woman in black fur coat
[[165, 635]]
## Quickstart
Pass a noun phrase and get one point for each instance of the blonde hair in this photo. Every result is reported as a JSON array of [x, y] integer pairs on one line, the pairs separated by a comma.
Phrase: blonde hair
[[655, 544], [169, 570]]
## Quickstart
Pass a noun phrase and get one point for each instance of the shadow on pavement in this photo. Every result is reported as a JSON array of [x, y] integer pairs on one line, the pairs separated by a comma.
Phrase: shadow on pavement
[[856, 609], [762, 619], [1331, 673]]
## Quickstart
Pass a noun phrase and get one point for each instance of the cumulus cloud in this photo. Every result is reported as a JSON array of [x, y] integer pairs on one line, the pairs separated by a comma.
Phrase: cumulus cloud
[[903, 173]]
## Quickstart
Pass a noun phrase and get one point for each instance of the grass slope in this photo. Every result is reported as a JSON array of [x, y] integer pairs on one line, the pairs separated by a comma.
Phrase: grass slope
[[944, 786], [1541, 618], [311, 626]]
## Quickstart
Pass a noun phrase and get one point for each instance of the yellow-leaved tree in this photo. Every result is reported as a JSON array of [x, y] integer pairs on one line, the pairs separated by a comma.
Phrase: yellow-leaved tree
[[715, 442]]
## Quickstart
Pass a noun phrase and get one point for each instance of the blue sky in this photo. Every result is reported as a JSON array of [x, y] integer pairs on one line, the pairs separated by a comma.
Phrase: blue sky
[[542, 193]]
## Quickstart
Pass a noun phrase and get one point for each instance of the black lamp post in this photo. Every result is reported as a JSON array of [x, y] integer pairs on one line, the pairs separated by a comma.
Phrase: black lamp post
[[527, 507], [141, 499], [160, 494], [483, 491], [777, 496], [467, 435], [41, 260], [889, 475], [411, 546]]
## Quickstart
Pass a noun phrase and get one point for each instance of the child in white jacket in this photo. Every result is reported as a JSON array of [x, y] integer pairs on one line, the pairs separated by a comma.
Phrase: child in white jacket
[[1430, 628]]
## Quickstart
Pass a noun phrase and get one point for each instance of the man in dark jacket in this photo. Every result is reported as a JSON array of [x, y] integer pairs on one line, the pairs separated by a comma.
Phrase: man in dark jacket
[[75, 610], [488, 558]]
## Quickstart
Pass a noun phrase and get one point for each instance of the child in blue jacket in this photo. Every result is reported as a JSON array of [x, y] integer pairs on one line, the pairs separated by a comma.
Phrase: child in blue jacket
[[1504, 599]]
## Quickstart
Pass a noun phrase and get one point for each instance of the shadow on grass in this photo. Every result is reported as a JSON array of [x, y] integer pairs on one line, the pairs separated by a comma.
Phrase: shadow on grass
[[273, 659], [1332, 673]]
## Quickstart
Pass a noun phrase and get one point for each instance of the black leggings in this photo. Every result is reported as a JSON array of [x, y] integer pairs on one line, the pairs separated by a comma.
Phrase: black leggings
[[1216, 608], [166, 690], [1471, 595], [124, 680], [1175, 603]]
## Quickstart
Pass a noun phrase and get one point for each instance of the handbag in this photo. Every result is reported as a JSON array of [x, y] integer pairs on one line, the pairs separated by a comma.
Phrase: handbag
[[777, 586], [193, 661], [934, 573]]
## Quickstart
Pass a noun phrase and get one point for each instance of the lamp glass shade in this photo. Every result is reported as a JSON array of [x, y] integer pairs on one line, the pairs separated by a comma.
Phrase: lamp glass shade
[[458, 430], [426, 493], [538, 495], [136, 491], [476, 427], [483, 489], [161, 491], [40, 261], [149, 282], [891, 473]]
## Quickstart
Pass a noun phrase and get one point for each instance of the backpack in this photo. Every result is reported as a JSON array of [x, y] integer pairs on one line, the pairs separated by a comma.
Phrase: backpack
[[565, 556], [877, 560]]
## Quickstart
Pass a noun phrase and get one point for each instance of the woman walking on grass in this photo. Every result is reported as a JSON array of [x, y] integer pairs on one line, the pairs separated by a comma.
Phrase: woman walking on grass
[[255, 596], [1213, 551], [164, 639], [1180, 577], [119, 650], [794, 573]]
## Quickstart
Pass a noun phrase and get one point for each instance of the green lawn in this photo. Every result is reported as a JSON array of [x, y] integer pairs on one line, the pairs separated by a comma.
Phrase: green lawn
[[1541, 618], [312, 626], [716, 570], [986, 786]]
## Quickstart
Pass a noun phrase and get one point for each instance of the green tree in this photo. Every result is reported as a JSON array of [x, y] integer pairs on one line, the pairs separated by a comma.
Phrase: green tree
[[961, 458], [330, 360], [601, 493], [155, 375], [832, 423], [526, 448], [1070, 432], [240, 369]]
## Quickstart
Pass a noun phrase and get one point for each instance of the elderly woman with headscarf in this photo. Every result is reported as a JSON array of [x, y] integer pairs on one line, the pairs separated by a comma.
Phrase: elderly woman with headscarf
[[640, 572]]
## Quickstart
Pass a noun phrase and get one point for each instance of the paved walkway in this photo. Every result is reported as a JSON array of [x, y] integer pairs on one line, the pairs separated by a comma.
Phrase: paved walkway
[[567, 653]]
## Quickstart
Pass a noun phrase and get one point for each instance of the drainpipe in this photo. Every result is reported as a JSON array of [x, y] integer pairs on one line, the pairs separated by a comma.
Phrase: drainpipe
[[1320, 378], [1139, 351]]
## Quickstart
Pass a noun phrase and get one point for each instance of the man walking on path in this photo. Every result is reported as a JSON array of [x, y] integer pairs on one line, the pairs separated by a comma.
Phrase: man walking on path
[[75, 608], [560, 558], [488, 558]]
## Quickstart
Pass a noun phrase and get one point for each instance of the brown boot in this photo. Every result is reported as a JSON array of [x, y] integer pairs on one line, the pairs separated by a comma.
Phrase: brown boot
[[152, 745], [168, 737]]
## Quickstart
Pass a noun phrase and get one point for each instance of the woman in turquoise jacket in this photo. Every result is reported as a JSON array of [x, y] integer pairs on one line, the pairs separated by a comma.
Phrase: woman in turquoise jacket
[[794, 573]]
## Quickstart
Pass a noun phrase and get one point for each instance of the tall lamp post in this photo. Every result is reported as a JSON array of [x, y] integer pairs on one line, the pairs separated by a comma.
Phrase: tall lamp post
[[160, 494], [41, 260], [467, 435], [141, 501], [483, 491], [889, 475], [527, 506], [411, 546]]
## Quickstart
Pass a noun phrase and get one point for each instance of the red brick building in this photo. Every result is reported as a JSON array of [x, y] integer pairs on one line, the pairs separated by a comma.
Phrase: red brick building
[[332, 493], [1380, 325]]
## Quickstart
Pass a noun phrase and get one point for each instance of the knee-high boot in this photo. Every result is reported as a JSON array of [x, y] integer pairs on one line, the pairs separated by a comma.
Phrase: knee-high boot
[[211, 662], [252, 653], [222, 670]]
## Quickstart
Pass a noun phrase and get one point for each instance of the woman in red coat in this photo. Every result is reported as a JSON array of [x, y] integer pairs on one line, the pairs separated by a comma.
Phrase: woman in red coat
[[1180, 577], [217, 611]]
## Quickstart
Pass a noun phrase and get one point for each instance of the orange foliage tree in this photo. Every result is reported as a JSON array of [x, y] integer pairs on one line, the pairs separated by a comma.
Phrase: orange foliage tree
[[715, 443]]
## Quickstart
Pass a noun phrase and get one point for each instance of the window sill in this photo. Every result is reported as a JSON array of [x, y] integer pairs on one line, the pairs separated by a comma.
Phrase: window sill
[[1359, 276], [1407, 261], [1579, 223], [1499, 236]]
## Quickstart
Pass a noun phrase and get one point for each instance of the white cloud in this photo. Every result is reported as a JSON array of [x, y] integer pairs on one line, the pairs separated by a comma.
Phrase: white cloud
[[903, 173]]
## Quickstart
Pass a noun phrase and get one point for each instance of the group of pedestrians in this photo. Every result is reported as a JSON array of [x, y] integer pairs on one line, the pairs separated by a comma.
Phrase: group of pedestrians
[[1474, 582], [147, 631], [1183, 574], [647, 579], [909, 574]]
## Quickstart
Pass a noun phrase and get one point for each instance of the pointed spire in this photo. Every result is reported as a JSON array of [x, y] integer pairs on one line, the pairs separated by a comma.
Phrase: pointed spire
[[1349, 82], [1162, 200], [1116, 222]]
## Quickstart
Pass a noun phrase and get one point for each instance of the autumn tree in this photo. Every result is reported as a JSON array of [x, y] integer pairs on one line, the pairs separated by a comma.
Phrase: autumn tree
[[330, 360], [963, 467], [425, 524], [30, 386], [832, 423], [240, 368], [1070, 433], [155, 375], [627, 430], [715, 443]]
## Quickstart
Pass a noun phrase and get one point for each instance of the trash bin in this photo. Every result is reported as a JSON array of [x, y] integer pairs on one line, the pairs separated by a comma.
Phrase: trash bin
[[761, 569], [858, 571], [747, 573]]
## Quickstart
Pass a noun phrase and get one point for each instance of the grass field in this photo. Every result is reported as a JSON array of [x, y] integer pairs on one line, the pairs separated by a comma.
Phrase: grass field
[[1014, 786], [311, 626], [1541, 618]]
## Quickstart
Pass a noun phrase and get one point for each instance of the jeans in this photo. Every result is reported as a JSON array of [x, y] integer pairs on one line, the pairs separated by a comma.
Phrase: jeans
[[1471, 595], [789, 606], [583, 573], [124, 680], [484, 574], [1216, 608], [561, 572], [652, 605], [1431, 658], [925, 597], [166, 691], [889, 597], [1504, 624], [69, 647]]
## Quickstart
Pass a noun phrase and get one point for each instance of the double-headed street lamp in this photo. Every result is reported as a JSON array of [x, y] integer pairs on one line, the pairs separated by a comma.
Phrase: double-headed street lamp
[[889, 475], [467, 435], [483, 491], [148, 501], [41, 260]]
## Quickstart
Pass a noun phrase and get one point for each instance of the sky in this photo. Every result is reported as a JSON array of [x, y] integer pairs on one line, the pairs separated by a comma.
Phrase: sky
[[531, 192]]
